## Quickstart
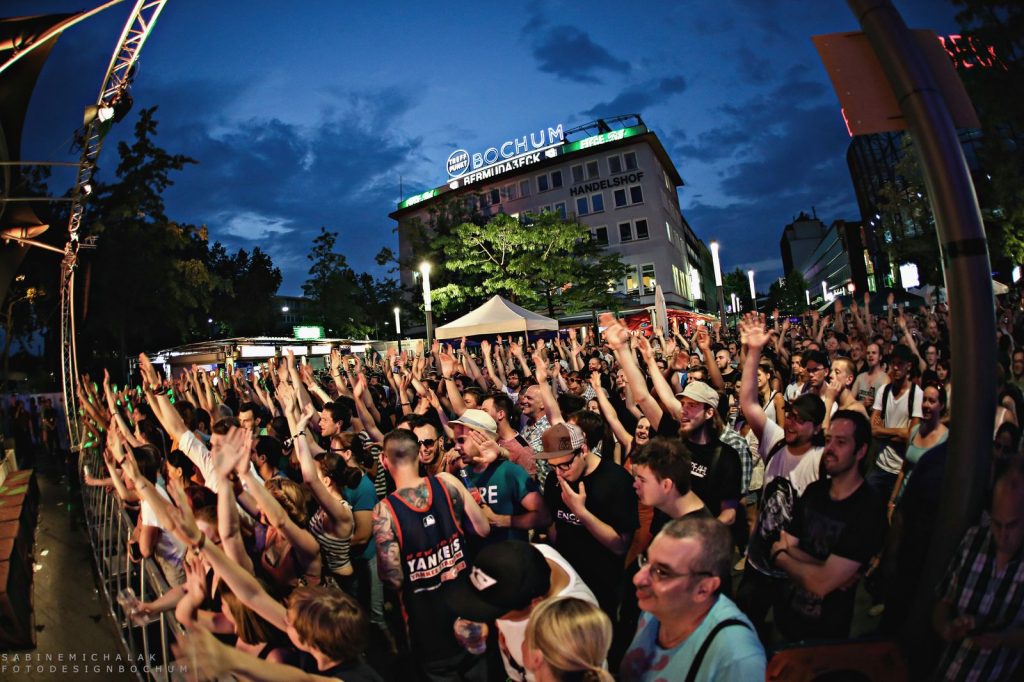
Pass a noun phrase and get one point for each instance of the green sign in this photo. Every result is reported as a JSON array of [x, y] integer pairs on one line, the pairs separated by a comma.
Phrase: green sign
[[596, 140], [417, 198], [308, 333]]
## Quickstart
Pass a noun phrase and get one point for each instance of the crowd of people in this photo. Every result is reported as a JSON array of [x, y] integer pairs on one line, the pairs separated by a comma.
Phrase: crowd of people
[[663, 507]]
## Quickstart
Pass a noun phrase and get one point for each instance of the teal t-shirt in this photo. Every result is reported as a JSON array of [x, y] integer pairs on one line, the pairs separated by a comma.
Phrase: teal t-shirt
[[503, 485], [363, 497], [734, 654]]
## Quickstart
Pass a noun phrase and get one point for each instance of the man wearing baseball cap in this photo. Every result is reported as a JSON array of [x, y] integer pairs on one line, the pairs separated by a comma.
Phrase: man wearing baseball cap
[[792, 457], [716, 473], [509, 497], [508, 580], [594, 510]]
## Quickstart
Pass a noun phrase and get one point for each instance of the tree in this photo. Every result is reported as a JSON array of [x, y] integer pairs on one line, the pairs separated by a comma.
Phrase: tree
[[789, 295], [147, 284], [351, 304], [243, 303], [992, 68], [547, 262], [736, 282]]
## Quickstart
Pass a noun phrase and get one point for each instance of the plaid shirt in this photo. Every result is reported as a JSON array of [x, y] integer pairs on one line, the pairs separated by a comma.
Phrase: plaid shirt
[[532, 434], [996, 602], [732, 438]]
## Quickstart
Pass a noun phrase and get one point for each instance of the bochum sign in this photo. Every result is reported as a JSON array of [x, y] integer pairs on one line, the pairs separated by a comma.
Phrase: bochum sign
[[461, 161]]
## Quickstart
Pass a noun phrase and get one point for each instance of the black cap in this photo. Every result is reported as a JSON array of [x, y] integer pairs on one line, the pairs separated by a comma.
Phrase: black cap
[[809, 407], [505, 577]]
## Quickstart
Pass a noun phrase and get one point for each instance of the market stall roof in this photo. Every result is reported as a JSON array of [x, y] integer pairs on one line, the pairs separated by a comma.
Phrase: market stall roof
[[252, 349], [496, 316]]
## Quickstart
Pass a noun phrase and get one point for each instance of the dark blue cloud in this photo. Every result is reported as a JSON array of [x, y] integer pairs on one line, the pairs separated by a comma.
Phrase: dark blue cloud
[[569, 53], [638, 97]]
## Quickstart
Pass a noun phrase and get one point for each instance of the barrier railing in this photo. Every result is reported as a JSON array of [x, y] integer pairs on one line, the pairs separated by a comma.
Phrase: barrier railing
[[110, 527]]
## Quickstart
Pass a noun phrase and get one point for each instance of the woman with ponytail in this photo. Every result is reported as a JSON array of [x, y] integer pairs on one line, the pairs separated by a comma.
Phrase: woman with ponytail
[[567, 640]]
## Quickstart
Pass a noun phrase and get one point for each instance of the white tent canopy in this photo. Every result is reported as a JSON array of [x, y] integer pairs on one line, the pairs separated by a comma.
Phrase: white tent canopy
[[496, 316]]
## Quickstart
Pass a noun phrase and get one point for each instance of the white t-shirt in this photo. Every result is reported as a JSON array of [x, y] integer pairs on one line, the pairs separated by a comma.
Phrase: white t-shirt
[[511, 633], [196, 450], [897, 417], [801, 470], [168, 547]]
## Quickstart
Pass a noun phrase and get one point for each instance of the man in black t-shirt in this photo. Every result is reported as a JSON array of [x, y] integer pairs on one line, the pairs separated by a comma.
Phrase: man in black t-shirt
[[838, 525], [715, 471], [594, 511]]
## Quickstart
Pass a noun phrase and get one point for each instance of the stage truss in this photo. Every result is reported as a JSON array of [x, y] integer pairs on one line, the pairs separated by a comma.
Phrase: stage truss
[[115, 87]]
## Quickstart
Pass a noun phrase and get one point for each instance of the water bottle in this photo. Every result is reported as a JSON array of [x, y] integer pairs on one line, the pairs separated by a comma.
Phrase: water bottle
[[473, 490]]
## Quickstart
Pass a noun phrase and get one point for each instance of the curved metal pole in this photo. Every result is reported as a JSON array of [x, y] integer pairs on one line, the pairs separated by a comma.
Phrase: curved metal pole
[[972, 313]]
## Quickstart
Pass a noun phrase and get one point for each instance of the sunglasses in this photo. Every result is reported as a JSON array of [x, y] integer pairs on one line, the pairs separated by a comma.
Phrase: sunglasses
[[427, 442]]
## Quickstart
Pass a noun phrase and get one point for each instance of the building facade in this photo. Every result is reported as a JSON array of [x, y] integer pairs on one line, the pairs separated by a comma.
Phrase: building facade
[[612, 175]]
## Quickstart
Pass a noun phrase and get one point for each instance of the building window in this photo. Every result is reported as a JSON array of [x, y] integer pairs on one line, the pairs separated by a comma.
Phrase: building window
[[632, 283], [601, 235], [641, 229], [628, 197], [577, 174], [630, 159], [625, 232], [614, 165], [560, 210], [556, 179], [647, 280], [582, 206], [620, 198], [495, 196], [510, 192], [542, 183], [592, 170], [597, 202], [636, 194], [524, 188]]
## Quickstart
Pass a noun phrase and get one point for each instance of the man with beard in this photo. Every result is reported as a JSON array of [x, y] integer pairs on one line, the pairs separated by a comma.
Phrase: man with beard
[[838, 526], [792, 456]]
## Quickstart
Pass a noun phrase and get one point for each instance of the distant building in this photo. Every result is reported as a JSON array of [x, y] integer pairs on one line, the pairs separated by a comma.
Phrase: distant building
[[612, 175], [832, 259]]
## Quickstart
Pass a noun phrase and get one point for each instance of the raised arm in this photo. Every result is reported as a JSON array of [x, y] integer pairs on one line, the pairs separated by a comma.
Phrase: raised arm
[[752, 333], [666, 396], [551, 409], [448, 365], [617, 337], [608, 412]]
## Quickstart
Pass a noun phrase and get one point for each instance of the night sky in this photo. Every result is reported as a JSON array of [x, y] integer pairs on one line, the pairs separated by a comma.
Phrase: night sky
[[309, 114]]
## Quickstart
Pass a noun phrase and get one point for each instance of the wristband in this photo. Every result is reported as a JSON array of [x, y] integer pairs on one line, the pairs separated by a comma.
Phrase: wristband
[[160, 390]]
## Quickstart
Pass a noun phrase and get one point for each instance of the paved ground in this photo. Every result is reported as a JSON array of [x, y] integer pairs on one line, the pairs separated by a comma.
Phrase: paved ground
[[71, 616]]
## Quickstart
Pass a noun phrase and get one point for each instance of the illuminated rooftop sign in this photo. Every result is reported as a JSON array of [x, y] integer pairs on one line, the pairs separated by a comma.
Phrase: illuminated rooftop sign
[[603, 138], [417, 198], [308, 333], [460, 161]]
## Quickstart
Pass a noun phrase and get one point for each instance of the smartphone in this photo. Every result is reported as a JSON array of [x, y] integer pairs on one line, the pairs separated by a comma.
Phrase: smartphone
[[396, 370]]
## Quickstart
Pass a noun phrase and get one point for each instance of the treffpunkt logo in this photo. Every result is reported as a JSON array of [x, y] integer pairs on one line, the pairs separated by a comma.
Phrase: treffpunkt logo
[[458, 163]]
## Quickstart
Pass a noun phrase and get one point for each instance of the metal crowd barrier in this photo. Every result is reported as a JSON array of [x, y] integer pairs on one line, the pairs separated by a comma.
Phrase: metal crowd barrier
[[110, 527]]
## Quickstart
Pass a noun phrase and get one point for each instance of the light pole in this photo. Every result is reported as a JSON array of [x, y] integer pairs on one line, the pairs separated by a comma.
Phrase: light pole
[[398, 328], [425, 272], [824, 290], [718, 280], [753, 292], [807, 295]]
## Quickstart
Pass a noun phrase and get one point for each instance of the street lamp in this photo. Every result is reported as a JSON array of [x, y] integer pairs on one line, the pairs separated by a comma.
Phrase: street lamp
[[824, 290], [807, 294], [753, 292], [425, 271], [284, 309], [398, 328], [718, 280]]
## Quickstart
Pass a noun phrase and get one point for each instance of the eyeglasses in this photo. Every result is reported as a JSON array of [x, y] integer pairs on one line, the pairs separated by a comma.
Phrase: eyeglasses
[[565, 466], [661, 574], [814, 369], [428, 442]]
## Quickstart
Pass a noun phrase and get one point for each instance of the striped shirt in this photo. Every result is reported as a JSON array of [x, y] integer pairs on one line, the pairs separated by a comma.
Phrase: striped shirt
[[995, 599]]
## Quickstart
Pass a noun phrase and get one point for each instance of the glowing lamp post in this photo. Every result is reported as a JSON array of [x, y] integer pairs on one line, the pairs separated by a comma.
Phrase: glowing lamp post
[[753, 291], [425, 272], [398, 328], [718, 280]]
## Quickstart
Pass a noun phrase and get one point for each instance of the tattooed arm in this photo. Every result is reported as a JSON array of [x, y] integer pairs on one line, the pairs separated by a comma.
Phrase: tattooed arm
[[389, 554]]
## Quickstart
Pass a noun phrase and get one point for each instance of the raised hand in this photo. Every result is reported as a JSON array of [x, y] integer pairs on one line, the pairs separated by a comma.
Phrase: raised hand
[[149, 374], [541, 367], [752, 331], [703, 339], [595, 380], [448, 365], [485, 348], [616, 335]]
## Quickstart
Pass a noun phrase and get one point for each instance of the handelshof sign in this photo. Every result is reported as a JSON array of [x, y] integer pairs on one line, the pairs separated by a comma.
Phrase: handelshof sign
[[461, 161], [610, 183]]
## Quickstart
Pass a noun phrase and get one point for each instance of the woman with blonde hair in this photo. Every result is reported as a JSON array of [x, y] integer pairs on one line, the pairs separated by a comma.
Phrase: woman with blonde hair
[[567, 639]]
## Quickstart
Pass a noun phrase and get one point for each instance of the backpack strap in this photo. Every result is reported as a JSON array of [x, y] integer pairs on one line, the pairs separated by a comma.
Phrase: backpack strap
[[779, 444], [691, 676], [885, 400]]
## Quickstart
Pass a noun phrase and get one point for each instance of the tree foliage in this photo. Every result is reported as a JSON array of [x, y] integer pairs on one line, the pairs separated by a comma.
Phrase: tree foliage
[[790, 294], [549, 263], [346, 303], [243, 301]]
